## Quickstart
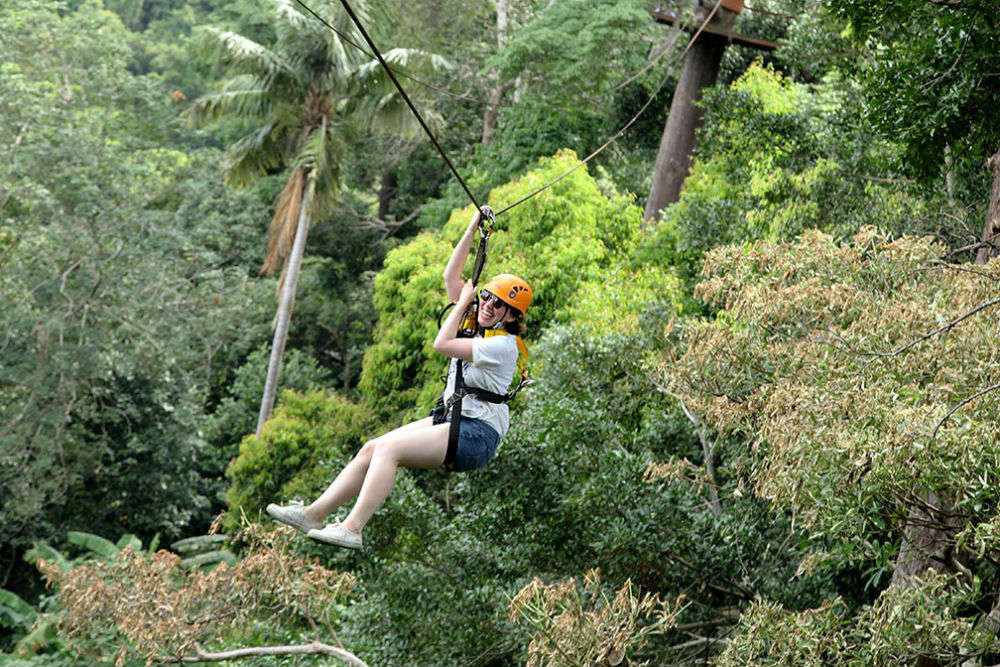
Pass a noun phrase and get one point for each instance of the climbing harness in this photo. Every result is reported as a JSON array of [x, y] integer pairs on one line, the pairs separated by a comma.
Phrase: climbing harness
[[469, 328], [469, 325], [454, 403]]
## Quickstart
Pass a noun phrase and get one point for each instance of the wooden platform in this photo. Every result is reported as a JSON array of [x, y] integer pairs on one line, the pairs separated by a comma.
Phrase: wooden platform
[[663, 14]]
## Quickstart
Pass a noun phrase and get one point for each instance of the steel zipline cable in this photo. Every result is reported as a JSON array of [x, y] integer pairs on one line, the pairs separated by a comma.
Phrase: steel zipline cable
[[430, 135], [395, 81], [365, 51], [620, 132]]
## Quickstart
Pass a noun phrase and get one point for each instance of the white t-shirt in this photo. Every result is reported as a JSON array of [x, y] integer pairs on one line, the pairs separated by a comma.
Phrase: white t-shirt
[[494, 360]]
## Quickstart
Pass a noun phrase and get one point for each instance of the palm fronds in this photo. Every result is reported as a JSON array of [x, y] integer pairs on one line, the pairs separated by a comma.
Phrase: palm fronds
[[254, 155], [245, 56], [290, 18], [244, 96], [322, 154]]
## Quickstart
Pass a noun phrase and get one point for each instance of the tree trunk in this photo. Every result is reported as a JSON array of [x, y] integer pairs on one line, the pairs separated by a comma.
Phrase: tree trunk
[[387, 191], [991, 230], [701, 67], [492, 113], [496, 92], [926, 538], [285, 304]]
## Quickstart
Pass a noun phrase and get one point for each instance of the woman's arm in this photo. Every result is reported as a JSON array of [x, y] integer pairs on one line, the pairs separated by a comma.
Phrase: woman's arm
[[453, 272], [447, 342]]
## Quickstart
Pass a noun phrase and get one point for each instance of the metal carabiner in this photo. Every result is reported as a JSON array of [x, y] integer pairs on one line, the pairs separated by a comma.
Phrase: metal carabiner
[[487, 220]]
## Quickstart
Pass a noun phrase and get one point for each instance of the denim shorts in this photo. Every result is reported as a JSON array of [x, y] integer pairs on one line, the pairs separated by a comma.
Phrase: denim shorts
[[477, 443]]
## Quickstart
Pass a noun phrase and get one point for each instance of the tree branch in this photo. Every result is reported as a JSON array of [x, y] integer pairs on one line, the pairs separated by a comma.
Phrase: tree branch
[[18, 139], [961, 404], [942, 329], [312, 648]]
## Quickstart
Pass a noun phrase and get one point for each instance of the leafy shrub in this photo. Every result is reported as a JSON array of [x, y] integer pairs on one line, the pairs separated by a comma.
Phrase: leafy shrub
[[775, 158], [848, 365], [557, 241], [236, 414], [309, 438], [621, 300], [905, 625]]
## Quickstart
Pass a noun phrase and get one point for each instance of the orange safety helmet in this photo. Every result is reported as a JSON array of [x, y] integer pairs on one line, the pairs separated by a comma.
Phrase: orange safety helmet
[[510, 289]]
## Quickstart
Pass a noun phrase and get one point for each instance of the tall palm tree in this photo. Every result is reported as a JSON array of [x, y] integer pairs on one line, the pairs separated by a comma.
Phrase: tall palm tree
[[306, 98]]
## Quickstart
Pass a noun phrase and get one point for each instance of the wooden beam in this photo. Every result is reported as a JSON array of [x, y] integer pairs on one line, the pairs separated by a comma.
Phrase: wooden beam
[[664, 15]]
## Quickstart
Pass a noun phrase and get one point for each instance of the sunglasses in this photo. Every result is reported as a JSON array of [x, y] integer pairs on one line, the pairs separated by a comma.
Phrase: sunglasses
[[492, 299]]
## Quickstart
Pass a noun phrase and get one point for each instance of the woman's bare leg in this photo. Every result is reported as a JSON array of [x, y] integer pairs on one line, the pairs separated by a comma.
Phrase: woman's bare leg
[[348, 482], [418, 448]]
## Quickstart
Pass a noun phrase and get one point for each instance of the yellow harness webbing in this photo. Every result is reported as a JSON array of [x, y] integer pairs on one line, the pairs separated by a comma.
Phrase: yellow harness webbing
[[522, 349]]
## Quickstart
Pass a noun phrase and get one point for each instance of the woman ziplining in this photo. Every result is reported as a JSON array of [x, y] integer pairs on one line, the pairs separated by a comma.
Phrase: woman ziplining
[[476, 411], [464, 431]]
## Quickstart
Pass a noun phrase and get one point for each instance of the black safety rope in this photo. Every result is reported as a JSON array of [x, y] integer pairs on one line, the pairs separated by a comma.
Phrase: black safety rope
[[406, 98], [627, 125], [444, 156], [365, 51]]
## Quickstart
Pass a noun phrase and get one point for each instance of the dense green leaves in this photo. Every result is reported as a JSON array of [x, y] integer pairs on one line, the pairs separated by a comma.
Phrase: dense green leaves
[[112, 319], [929, 71], [777, 158], [756, 449]]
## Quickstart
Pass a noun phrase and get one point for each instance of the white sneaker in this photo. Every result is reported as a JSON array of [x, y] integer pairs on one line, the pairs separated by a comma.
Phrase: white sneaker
[[337, 533], [294, 515]]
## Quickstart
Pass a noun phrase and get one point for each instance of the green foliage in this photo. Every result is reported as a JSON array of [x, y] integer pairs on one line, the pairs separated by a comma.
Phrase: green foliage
[[17, 617], [844, 366], [571, 50], [334, 315], [913, 52], [309, 438], [302, 94], [531, 131], [776, 158], [906, 624], [113, 313], [398, 364], [769, 635], [126, 283], [104, 548], [236, 414], [622, 301], [558, 241]]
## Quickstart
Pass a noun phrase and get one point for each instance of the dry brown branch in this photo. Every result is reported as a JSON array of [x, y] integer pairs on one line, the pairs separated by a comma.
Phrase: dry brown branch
[[167, 613], [281, 233], [961, 404], [18, 139], [312, 648], [698, 641], [579, 626], [942, 329], [10, 248], [385, 227]]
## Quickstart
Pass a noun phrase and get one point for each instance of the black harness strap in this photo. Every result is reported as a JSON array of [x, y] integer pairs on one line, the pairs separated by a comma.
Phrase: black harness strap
[[454, 431], [467, 329], [454, 406]]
